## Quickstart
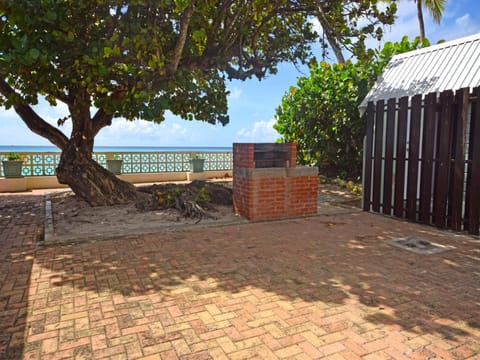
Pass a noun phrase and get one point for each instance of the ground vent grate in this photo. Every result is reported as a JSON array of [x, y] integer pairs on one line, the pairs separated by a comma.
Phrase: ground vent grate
[[418, 245]]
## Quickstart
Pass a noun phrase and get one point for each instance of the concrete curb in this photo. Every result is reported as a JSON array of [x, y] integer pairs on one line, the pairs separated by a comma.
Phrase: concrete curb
[[50, 238], [93, 237], [48, 231]]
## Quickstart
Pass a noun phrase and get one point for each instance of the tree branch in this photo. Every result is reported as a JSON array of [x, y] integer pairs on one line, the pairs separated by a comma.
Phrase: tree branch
[[239, 74], [100, 120], [182, 38], [34, 122], [329, 33], [63, 98]]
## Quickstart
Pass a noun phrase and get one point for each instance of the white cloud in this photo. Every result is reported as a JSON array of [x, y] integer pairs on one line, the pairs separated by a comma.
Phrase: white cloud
[[463, 20], [235, 93], [13, 130], [464, 25], [141, 132], [261, 131], [50, 113], [316, 25]]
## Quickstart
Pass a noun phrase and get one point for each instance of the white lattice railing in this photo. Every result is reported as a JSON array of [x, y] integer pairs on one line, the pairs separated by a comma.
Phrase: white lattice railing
[[44, 163]]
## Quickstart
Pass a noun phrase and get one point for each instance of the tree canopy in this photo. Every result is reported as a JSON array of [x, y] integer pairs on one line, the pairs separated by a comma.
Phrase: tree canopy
[[136, 59]]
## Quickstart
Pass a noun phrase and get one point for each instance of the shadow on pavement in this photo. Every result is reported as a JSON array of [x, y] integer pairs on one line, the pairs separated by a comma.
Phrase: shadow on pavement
[[330, 261], [21, 224]]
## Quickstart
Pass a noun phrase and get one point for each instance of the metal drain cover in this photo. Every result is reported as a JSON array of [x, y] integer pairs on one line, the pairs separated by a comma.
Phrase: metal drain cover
[[418, 245]]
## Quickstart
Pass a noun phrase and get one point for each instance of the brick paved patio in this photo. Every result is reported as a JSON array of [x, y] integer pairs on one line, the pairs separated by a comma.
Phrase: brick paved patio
[[322, 287]]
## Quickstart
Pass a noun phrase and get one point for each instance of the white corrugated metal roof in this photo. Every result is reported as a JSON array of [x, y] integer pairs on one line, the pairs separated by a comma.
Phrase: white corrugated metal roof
[[448, 66]]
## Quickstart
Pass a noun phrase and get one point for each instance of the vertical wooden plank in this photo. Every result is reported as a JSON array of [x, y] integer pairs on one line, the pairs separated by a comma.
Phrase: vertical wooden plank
[[388, 171], [468, 181], [443, 159], [427, 157], [413, 155], [367, 176], [458, 155], [400, 157], [473, 196], [377, 161]]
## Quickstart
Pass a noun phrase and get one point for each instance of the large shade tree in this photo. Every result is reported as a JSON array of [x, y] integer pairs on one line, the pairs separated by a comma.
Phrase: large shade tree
[[135, 59]]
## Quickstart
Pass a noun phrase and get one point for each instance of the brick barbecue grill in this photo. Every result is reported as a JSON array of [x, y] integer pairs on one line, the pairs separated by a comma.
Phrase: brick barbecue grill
[[267, 184]]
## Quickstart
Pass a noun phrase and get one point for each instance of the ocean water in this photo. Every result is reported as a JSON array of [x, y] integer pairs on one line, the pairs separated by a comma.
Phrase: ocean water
[[22, 148]]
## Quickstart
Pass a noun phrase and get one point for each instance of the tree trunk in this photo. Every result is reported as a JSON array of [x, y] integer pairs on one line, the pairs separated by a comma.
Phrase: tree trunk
[[77, 169], [94, 183], [421, 23], [329, 33]]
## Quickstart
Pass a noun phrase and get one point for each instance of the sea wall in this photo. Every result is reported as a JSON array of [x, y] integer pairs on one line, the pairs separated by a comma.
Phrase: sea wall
[[50, 182]]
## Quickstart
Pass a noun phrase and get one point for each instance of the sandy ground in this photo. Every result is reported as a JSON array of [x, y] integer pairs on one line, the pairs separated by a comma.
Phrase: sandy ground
[[74, 219]]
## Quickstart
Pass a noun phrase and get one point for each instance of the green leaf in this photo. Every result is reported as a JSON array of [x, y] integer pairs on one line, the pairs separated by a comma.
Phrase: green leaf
[[181, 5], [107, 51], [34, 53]]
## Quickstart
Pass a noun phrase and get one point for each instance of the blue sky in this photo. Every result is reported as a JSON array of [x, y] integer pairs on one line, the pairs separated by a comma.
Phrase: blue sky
[[251, 103]]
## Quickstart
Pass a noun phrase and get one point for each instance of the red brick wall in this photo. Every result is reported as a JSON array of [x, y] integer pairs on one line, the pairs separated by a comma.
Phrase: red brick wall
[[303, 193], [268, 198], [243, 155], [274, 198], [262, 194], [242, 195]]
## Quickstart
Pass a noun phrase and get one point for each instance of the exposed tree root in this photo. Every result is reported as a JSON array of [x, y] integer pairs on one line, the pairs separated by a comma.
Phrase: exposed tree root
[[191, 209], [195, 200]]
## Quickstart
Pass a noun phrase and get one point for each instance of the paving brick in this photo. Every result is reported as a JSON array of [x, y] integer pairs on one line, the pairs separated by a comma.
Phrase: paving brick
[[76, 315], [376, 345], [227, 345], [157, 348], [332, 348], [49, 345], [354, 347], [74, 343], [110, 351], [212, 334], [464, 352], [181, 347], [135, 329], [165, 355], [98, 341], [311, 350], [42, 336], [300, 289], [270, 342], [288, 351]]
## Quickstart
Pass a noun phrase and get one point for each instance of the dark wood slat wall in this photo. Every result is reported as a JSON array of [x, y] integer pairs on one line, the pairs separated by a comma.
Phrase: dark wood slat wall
[[437, 191], [377, 161], [389, 144], [413, 156], [473, 196], [458, 156], [443, 156], [401, 157], [427, 172], [367, 178]]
